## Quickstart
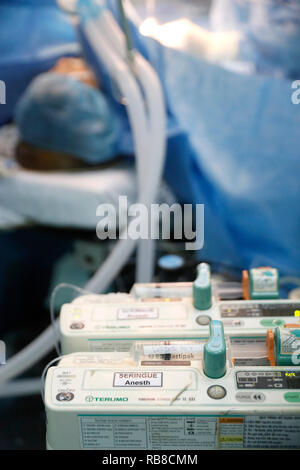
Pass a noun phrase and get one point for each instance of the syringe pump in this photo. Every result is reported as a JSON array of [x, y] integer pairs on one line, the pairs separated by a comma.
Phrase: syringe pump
[[179, 394], [169, 311]]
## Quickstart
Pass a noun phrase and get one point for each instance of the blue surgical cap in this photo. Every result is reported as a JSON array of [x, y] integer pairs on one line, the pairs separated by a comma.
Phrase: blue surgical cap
[[62, 114]]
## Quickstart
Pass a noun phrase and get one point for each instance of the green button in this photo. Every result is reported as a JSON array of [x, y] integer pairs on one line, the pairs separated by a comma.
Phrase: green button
[[269, 322], [292, 397]]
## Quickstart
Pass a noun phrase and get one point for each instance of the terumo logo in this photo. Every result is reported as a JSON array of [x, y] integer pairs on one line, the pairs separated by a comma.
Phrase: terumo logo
[[296, 94], [91, 399], [2, 92], [2, 353]]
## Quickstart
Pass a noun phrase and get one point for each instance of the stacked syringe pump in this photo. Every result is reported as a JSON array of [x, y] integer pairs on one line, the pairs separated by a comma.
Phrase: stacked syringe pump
[[173, 366]]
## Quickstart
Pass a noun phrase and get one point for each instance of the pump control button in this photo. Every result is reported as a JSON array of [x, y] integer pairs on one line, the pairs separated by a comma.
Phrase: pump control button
[[248, 397], [258, 397], [77, 325], [216, 392], [292, 397], [270, 322], [278, 322], [203, 320]]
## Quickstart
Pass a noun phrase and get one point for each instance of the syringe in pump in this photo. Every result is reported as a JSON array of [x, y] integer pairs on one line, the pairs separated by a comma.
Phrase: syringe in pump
[[169, 350], [211, 353]]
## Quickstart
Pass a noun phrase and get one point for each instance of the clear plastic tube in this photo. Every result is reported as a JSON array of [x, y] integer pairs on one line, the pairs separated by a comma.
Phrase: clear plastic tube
[[150, 134], [21, 388], [129, 88], [290, 280], [54, 324], [29, 356], [151, 169], [157, 126]]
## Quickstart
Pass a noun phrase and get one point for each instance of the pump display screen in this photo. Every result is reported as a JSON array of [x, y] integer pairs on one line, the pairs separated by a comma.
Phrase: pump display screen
[[268, 380], [272, 309]]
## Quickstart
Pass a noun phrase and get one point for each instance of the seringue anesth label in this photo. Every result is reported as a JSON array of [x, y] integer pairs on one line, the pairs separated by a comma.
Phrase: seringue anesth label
[[138, 379], [134, 313]]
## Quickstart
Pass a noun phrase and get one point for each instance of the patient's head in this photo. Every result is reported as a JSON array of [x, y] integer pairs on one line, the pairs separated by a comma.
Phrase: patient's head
[[61, 118]]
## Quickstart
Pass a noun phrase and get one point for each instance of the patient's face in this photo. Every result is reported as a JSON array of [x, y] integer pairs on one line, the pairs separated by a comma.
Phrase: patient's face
[[76, 68]]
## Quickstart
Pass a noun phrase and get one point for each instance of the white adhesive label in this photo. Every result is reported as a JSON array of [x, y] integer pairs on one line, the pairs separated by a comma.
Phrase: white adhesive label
[[289, 341], [137, 313], [98, 345], [138, 379], [173, 349], [264, 280], [272, 432], [145, 432], [189, 432]]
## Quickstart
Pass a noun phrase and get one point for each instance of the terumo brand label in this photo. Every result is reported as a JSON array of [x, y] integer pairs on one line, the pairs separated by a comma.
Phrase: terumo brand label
[[138, 379], [135, 313]]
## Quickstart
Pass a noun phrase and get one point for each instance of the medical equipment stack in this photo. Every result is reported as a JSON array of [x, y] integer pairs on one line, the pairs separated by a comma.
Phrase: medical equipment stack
[[171, 366]]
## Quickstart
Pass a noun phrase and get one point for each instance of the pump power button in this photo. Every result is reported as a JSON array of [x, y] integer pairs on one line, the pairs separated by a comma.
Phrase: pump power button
[[203, 320], [216, 392]]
